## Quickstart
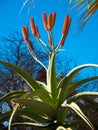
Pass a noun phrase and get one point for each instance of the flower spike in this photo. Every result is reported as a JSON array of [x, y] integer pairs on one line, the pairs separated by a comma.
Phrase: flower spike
[[49, 23], [25, 36], [25, 33], [65, 29], [34, 28], [45, 20], [66, 25], [53, 18]]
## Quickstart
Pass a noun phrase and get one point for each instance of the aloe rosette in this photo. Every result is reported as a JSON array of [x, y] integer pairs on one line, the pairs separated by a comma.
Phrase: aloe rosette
[[50, 105]]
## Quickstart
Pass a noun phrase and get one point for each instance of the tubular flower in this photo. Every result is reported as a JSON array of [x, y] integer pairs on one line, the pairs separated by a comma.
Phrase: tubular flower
[[25, 33], [49, 23], [34, 28], [53, 18], [45, 20], [25, 36], [65, 29]]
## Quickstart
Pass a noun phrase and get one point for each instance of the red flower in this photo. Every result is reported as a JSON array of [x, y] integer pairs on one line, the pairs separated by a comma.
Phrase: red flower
[[49, 23], [34, 28], [25, 36], [65, 29]]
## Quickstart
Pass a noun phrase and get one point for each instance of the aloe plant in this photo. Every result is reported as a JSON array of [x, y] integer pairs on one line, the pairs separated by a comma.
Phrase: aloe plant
[[50, 105]]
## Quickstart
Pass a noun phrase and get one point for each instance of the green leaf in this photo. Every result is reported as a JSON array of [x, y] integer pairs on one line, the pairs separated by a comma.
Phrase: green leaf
[[63, 128], [37, 106], [5, 116], [66, 83], [76, 109], [82, 95], [42, 95], [28, 113], [74, 86], [11, 95], [12, 115], [25, 113], [51, 77], [62, 114], [23, 74], [28, 124]]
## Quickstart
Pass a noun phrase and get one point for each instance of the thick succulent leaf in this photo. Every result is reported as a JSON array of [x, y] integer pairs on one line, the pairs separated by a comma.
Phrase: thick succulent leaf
[[62, 114], [11, 95], [23, 74], [28, 124], [12, 115], [36, 126], [63, 128], [65, 84], [76, 109], [51, 77], [37, 106], [76, 85], [25, 113], [42, 95], [5, 117], [28, 113], [82, 95]]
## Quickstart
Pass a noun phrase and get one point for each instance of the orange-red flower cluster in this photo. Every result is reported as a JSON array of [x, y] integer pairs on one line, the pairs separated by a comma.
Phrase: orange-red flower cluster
[[34, 28], [26, 39], [65, 29], [49, 23]]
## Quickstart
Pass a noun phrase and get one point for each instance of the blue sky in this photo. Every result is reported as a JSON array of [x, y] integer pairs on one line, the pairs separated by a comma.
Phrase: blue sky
[[83, 47]]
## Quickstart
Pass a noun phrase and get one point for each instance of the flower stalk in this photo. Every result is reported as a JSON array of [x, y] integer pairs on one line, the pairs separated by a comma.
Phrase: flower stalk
[[48, 23]]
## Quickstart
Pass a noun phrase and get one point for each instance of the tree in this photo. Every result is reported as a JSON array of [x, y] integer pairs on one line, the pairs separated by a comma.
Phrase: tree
[[86, 7], [14, 50]]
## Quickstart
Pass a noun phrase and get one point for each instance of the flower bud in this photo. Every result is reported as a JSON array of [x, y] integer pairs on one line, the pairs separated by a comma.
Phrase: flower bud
[[45, 20], [25, 33]]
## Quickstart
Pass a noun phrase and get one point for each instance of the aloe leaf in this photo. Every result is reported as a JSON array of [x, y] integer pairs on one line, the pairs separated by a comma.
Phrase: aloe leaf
[[28, 124], [62, 114], [66, 82], [11, 95], [36, 105], [36, 126], [29, 113], [76, 109], [23, 74], [5, 117], [63, 128], [51, 77], [74, 86], [12, 115], [42, 95], [25, 113], [82, 95]]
